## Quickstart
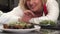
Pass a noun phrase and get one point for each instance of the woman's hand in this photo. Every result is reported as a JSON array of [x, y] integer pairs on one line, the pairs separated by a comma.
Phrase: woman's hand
[[27, 16]]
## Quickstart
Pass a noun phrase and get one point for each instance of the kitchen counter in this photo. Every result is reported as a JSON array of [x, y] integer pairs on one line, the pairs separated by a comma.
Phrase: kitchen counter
[[42, 31]]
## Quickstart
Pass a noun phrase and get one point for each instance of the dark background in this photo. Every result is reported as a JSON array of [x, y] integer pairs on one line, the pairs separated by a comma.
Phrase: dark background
[[8, 5]]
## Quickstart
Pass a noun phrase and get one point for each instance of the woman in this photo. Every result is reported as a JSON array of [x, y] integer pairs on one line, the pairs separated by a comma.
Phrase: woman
[[33, 11]]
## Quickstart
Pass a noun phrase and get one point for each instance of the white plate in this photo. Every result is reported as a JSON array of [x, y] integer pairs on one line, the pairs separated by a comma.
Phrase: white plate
[[20, 30]]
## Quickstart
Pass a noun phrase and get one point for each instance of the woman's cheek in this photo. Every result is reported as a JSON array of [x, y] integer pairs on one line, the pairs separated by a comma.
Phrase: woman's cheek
[[28, 3]]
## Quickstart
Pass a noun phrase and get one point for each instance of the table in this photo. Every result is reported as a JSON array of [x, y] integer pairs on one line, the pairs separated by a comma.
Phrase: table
[[42, 31]]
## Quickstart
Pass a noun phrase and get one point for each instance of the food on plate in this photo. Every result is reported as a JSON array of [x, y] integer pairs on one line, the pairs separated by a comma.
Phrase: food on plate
[[48, 22], [18, 25]]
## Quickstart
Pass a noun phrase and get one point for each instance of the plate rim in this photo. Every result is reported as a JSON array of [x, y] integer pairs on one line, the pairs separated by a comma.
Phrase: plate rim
[[13, 30]]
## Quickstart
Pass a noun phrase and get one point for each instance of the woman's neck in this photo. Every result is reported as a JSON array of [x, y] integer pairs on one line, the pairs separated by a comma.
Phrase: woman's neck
[[38, 13]]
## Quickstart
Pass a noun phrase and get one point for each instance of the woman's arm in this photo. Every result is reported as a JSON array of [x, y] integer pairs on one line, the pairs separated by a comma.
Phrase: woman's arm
[[11, 16], [8, 18], [53, 12]]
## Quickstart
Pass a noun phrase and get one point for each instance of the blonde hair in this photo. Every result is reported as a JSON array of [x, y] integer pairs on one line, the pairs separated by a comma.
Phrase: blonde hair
[[22, 3]]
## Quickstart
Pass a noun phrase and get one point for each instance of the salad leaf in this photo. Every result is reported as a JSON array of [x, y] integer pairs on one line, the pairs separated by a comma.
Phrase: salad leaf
[[47, 22]]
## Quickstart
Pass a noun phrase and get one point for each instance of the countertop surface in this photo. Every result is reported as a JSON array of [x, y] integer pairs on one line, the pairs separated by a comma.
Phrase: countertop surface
[[44, 30], [41, 31]]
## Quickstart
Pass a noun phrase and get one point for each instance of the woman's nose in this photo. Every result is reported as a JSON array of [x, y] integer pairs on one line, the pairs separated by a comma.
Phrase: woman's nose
[[31, 2]]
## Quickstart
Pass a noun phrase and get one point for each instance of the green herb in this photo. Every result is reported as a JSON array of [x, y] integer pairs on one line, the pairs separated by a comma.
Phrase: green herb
[[48, 22]]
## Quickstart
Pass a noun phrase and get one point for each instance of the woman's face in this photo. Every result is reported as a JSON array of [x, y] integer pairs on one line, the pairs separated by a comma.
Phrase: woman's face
[[34, 5]]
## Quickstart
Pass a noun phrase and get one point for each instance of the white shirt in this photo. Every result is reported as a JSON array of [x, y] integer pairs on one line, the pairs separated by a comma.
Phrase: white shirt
[[17, 12]]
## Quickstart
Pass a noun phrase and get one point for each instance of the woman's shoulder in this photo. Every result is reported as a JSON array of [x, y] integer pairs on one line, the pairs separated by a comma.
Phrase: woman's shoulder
[[17, 9], [51, 0]]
